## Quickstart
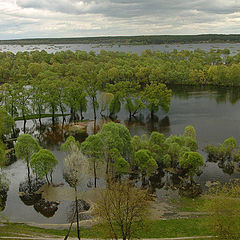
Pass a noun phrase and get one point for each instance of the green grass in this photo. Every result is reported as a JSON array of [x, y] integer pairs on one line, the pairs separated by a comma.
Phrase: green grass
[[188, 204], [36, 116], [154, 229]]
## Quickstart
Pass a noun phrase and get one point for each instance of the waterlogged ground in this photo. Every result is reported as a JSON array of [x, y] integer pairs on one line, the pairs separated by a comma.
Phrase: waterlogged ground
[[213, 112]]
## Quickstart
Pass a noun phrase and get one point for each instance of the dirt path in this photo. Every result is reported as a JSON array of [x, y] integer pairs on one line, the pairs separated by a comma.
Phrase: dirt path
[[57, 238]]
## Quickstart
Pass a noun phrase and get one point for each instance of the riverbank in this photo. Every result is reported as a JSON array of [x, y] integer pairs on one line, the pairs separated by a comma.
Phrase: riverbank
[[173, 228], [175, 219]]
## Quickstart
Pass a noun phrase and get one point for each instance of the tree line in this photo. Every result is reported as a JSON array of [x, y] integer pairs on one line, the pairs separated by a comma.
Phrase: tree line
[[153, 39]]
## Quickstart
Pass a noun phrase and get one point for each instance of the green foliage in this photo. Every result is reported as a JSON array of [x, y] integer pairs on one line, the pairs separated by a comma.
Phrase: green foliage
[[121, 166], [156, 138], [6, 122], [43, 162], [145, 162], [189, 131], [157, 94], [226, 151], [70, 144], [115, 105], [191, 161], [115, 135], [92, 147], [25, 147]]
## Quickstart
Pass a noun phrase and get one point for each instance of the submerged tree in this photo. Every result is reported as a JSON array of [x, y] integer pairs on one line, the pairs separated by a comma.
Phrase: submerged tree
[[43, 163], [92, 147], [25, 147], [157, 95]]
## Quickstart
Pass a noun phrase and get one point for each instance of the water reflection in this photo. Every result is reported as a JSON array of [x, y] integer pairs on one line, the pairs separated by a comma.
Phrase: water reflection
[[46, 208], [219, 94], [3, 196]]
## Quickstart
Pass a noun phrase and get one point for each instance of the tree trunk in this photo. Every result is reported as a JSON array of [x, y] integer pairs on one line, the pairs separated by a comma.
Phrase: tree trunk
[[47, 179], [29, 179], [81, 114], [95, 127], [95, 174], [94, 108], [76, 201], [51, 176], [152, 114], [53, 115], [24, 124], [70, 227], [39, 118]]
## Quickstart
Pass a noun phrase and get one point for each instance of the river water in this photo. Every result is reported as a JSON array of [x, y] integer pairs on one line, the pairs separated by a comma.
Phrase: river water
[[214, 113], [233, 47]]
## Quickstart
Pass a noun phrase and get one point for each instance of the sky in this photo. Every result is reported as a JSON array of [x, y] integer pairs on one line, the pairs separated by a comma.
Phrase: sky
[[75, 18]]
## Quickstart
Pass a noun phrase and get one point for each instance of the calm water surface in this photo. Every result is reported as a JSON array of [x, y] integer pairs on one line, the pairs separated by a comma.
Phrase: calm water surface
[[215, 114], [233, 47]]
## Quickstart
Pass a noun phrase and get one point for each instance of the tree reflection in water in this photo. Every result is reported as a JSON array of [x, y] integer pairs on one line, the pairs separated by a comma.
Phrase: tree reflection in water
[[3, 196], [29, 197], [46, 208]]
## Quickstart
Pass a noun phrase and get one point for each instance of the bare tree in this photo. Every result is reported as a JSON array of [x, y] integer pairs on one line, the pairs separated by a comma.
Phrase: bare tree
[[75, 170], [124, 206]]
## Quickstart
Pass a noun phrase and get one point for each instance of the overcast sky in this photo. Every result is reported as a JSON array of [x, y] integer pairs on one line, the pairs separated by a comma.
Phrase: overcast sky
[[75, 18]]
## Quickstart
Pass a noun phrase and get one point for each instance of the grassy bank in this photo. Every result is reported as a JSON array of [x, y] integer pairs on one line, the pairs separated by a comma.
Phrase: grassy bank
[[154, 229], [36, 116]]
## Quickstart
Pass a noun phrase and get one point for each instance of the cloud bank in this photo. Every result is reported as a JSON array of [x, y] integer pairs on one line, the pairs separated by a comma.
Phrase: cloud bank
[[74, 18]]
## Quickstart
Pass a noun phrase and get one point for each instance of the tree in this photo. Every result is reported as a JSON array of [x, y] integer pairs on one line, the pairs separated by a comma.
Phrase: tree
[[191, 161], [145, 162], [115, 135], [75, 169], [23, 101], [155, 95], [92, 147], [189, 131], [115, 105], [25, 147], [43, 162], [122, 206]]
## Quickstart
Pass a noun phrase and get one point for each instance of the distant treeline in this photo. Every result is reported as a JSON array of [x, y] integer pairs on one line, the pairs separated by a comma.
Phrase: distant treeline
[[131, 40]]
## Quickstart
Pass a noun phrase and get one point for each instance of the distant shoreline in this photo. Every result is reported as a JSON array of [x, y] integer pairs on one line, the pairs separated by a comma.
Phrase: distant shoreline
[[131, 40]]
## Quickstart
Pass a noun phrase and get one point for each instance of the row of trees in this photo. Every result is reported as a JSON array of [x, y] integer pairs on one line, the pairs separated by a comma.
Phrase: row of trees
[[120, 154], [51, 94], [198, 67]]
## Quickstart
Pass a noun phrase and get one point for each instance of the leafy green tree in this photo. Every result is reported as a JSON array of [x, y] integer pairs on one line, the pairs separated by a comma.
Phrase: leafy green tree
[[134, 107], [9, 98], [157, 95], [75, 98], [92, 147], [43, 163], [25, 147], [115, 135], [105, 100], [145, 162], [71, 144], [115, 105], [38, 98], [191, 161], [189, 131], [6, 122]]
